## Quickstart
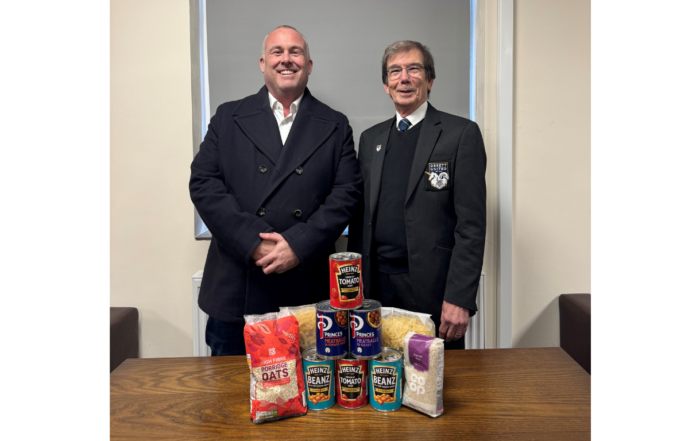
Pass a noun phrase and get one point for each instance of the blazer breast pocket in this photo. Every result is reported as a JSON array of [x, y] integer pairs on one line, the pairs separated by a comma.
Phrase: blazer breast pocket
[[437, 175]]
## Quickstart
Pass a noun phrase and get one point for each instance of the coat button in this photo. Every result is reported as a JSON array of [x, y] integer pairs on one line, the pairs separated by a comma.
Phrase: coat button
[[299, 170], [261, 211], [297, 213], [262, 169]]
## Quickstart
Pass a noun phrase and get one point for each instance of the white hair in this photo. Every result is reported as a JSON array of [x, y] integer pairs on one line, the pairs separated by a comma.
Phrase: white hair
[[306, 44]]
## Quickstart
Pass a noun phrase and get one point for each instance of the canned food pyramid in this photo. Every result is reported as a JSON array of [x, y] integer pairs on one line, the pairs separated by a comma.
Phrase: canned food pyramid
[[346, 280], [352, 383], [366, 330], [319, 375], [385, 381], [331, 331]]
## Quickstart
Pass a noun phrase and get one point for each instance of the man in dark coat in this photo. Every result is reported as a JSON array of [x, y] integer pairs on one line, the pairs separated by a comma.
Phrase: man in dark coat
[[276, 182], [423, 228]]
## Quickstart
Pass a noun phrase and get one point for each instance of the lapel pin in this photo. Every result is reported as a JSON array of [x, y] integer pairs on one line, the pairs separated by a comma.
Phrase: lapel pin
[[379, 147]]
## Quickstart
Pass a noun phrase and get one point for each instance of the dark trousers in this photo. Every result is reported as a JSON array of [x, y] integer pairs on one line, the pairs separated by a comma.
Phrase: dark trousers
[[395, 290], [225, 338]]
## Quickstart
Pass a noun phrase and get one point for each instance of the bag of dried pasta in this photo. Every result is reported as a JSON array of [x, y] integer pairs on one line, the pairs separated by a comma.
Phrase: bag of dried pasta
[[306, 316], [396, 323], [276, 375]]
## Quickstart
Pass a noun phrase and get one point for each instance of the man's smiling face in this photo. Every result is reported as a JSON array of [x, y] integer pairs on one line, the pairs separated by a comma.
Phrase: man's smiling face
[[407, 92], [286, 66]]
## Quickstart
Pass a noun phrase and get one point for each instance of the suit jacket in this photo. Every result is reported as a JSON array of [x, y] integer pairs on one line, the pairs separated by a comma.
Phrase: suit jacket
[[244, 182], [445, 219]]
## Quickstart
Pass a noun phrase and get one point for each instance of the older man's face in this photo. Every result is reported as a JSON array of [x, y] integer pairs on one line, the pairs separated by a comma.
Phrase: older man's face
[[286, 66], [409, 89]]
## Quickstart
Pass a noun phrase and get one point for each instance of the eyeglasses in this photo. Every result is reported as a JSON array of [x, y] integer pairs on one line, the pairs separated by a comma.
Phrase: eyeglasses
[[412, 71]]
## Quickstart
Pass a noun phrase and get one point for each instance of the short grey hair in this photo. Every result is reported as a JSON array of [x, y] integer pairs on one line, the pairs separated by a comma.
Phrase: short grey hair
[[405, 46], [306, 44]]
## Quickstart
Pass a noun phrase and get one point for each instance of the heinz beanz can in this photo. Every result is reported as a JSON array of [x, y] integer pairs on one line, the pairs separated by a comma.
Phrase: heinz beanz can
[[366, 330], [385, 387], [331, 331], [351, 382], [319, 376], [346, 280]]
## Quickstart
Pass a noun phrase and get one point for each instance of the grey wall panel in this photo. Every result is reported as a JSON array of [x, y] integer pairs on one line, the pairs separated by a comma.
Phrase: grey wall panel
[[346, 40]]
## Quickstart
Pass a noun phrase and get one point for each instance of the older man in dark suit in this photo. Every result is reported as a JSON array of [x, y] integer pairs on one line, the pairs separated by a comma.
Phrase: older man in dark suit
[[276, 181], [423, 229]]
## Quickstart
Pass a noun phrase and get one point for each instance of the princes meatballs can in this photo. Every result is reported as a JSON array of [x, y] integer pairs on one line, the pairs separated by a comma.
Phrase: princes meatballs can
[[385, 385], [331, 331], [366, 330], [319, 376], [352, 376], [346, 280]]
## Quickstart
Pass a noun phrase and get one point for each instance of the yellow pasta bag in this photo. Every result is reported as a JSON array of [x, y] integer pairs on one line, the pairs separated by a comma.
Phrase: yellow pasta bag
[[306, 316], [396, 323]]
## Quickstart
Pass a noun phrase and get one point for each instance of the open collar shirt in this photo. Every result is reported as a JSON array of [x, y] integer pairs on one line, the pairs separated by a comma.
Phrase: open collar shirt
[[285, 123]]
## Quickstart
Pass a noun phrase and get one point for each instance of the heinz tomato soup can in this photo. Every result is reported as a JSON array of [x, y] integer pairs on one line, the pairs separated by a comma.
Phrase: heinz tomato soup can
[[346, 280], [351, 389]]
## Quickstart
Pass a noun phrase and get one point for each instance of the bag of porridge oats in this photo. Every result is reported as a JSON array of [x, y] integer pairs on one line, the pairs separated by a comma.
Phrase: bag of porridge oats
[[424, 361], [276, 375]]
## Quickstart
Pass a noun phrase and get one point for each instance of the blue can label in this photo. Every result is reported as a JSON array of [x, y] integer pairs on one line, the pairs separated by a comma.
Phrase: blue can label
[[366, 333], [385, 381], [319, 376], [331, 333]]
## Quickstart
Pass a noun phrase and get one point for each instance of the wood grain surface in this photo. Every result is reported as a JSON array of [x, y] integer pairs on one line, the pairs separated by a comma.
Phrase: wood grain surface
[[503, 394]]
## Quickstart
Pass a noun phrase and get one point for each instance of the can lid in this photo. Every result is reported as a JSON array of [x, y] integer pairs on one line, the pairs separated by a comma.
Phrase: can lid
[[324, 306], [349, 357], [369, 305], [390, 354], [344, 257], [310, 354]]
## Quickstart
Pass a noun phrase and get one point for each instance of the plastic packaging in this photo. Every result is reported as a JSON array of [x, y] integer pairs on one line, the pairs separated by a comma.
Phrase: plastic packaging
[[396, 323], [424, 362], [276, 373], [306, 316]]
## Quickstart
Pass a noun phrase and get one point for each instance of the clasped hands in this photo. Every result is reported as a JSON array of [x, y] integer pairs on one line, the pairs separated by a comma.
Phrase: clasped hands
[[274, 254]]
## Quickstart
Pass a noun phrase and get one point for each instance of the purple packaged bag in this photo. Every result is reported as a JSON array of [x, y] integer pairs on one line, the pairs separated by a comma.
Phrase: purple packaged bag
[[424, 361]]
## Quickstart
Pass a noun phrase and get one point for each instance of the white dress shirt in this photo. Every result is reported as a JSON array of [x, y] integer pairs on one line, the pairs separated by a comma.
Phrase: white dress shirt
[[284, 123], [415, 117]]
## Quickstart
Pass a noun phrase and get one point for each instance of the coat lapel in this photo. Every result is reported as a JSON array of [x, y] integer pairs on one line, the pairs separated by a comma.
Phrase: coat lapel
[[307, 134], [377, 165], [427, 139], [261, 128]]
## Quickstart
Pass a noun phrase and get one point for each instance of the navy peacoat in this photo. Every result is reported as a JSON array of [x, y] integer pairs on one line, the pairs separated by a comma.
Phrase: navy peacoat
[[244, 182]]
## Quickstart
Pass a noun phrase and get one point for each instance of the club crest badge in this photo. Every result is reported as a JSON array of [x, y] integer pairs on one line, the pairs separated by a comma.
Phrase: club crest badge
[[438, 174]]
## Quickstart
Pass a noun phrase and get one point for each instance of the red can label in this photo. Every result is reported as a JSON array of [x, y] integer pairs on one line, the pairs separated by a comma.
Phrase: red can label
[[351, 389], [346, 280]]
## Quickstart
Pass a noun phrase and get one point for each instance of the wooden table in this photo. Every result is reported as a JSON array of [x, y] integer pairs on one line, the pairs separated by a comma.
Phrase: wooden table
[[501, 394]]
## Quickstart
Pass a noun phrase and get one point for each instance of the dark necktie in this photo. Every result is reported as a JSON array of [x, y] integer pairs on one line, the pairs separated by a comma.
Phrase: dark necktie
[[404, 124]]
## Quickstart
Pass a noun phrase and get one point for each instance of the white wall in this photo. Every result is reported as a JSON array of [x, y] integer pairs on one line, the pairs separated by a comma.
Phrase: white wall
[[153, 251], [487, 117], [552, 164]]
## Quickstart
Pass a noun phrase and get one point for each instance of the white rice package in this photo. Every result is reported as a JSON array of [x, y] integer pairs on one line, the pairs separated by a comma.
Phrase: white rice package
[[424, 362]]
